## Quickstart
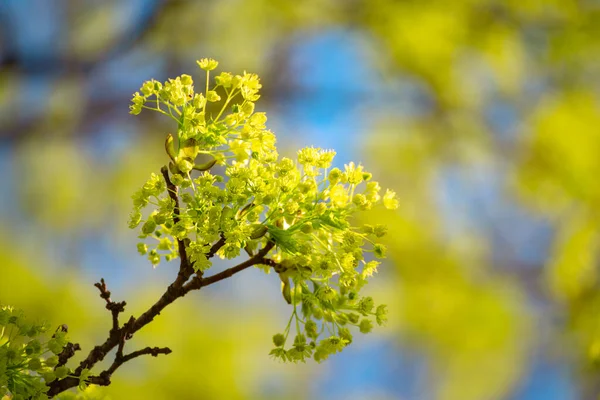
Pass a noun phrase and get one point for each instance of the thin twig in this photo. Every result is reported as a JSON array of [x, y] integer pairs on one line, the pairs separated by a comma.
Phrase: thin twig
[[103, 379], [114, 307]]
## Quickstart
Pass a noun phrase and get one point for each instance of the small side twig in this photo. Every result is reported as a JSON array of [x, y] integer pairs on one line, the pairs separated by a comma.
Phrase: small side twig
[[103, 378], [114, 307], [125, 335]]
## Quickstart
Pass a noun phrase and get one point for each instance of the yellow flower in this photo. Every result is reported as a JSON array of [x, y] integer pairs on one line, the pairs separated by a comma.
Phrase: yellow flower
[[207, 64], [389, 200]]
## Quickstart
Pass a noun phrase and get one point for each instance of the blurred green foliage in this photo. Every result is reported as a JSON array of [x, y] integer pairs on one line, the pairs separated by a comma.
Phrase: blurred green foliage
[[474, 320]]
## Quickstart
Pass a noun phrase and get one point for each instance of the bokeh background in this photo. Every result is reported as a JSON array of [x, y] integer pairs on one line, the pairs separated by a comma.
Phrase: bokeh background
[[482, 114]]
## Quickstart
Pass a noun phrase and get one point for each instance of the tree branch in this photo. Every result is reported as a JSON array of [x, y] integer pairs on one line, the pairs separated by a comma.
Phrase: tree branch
[[199, 282], [68, 351], [178, 288]]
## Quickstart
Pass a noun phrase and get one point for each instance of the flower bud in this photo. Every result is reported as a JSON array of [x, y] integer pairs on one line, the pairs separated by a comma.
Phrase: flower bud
[[61, 372], [258, 231], [185, 165], [366, 325], [148, 227], [279, 339]]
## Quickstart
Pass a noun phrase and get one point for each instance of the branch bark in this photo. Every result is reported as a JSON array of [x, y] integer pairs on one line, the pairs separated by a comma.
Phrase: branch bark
[[178, 288]]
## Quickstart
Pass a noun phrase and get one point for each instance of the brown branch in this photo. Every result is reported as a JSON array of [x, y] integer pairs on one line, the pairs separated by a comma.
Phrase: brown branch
[[69, 349], [173, 194], [277, 267], [178, 288], [104, 378], [215, 247], [248, 251], [125, 335], [174, 291], [114, 307], [199, 282]]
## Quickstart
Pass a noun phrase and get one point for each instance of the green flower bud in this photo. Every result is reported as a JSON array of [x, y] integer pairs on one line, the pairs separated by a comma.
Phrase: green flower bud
[[380, 230], [353, 318], [199, 101], [189, 149], [360, 200], [311, 329], [51, 361], [231, 120], [379, 250], [154, 257], [142, 248], [326, 294], [365, 305], [49, 376], [300, 340], [341, 318], [320, 208], [175, 171], [61, 372], [55, 346], [248, 108], [164, 244], [317, 313], [149, 226], [279, 339], [134, 219], [186, 80], [366, 325], [224, 79], [212, 96], [368, 229], [345, 334], [258, 231], [381, 314], [307, 228], [33, 346], [334, 176], [185, 165], [34, 364], [160, 219]]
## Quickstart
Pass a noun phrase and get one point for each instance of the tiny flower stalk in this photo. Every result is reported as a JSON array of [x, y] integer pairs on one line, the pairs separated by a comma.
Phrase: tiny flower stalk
[[295, 214]]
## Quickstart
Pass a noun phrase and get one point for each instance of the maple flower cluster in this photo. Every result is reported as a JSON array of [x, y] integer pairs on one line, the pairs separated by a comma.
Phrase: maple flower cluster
[[28, 362], [303, 206]]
